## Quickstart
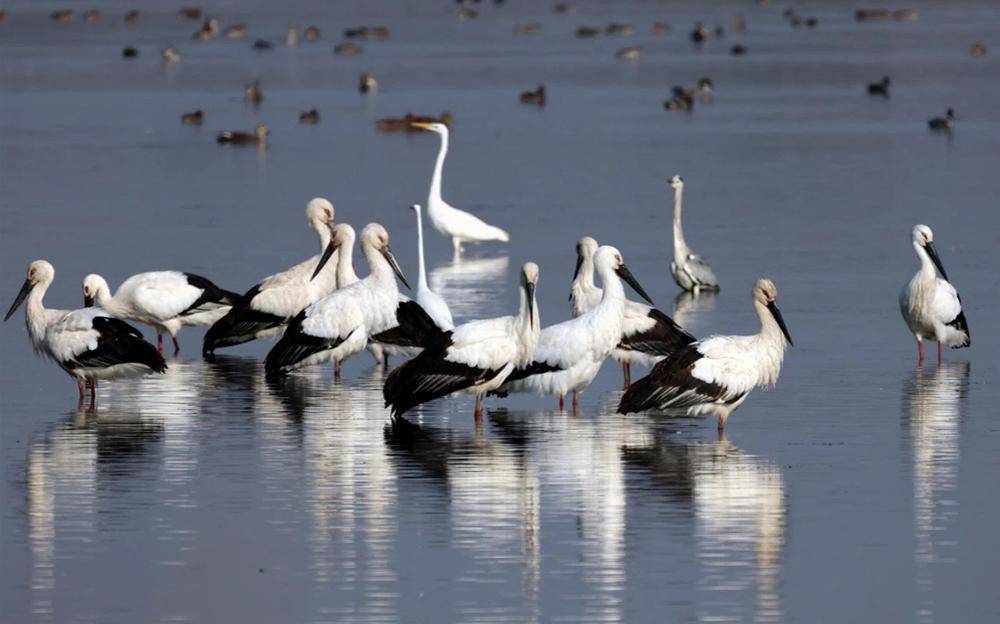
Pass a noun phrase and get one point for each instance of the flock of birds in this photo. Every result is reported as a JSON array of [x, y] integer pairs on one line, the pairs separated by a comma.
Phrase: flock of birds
[[321, 312]]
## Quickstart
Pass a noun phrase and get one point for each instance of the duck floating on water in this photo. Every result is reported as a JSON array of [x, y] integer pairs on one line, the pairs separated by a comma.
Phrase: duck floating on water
[[309, 117], [943, 123], [194, 118], [536, 97], [257, 137], [879, 88], [367, 83]]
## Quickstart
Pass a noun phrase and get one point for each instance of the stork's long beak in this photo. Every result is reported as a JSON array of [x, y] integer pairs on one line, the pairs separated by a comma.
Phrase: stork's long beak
[[21, 295], [387, 253], [529, 288], [932, 252], [776, 313], [333, 246], [576, 271], [423, 125], [626, 275], [88, 302]]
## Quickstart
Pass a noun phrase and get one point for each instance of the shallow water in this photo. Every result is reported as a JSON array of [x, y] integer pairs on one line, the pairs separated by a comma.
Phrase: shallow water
[[858, 490]]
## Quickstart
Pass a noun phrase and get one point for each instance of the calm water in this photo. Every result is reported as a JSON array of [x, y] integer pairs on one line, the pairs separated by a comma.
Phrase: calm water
[[860, 489]]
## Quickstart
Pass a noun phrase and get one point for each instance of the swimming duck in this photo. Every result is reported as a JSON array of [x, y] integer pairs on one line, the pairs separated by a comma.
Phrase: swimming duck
[[92, 15], [129, 52], [467, 14], [262, 44], [978, 50], [63, 16], [309, 117], [236, 31], [171, 55], [527, 29], [628, 54], [700, 33], [704, 89], [367, 83], [132, 16], [738, 50], [905, 15], [943, 123], [869, 15], [661, 28], [585, 32], [564, 7], [190, 13], [253, 93], [367, 32], [311, 33], [347, 49], [193, 119], [879, 88], [534, 97], [257, 137], [618, 30]]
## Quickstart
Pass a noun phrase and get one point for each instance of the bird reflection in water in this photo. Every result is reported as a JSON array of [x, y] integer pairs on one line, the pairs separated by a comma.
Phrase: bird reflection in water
[[934, 404], [739, 515], [692, 309], [470, 285]]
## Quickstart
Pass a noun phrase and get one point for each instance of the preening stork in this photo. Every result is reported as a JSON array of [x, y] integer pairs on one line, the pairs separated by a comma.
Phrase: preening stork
[[690, 271], [569, 354], [166, 300], [648, 334], [89, 344], [458, 225], [338, 325], [930, 305], [265, 309], [715, 375], [475, 357]]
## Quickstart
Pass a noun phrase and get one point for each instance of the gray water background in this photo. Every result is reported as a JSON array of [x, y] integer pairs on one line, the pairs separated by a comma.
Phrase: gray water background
[[860, 489]]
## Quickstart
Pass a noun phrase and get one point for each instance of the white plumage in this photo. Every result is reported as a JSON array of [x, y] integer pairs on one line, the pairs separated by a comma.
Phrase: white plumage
[[339, 324], [569, 354], [648, 335], [430, 301], [265, 309], [690, 271], [930, 305], [166, 300], [458, 225], [475, 357], [89, 344], [714, 375]]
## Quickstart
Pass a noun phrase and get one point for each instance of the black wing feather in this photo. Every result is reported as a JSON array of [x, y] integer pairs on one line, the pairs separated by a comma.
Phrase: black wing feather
[[296, 345], [430, 376], [961, 325], [670, 384], [210, 293], [118, 343], [663, 338], [523, 372], [241, 324], [415, 329]]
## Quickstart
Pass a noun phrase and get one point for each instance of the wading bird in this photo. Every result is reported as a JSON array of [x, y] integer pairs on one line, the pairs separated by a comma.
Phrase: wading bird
[[166, 300], [458, 225], [690, 271], [648, 335], [88, 343], [264, 310], [430, 301], [715, 375], [475, 357], [930, 305]]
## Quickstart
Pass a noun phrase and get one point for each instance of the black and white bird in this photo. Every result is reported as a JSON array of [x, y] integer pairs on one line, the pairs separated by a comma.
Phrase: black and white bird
[[339, 325], [715, 375], [648, 334], [89, 344], [475, 357], [569, 354], [946, 123], [690, 271], [166, 300], [264, 310], [930, 305]]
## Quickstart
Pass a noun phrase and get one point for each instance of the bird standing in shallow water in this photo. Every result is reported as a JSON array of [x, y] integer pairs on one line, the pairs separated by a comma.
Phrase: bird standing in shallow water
[[930, 305], [715, 375], [690, 271]]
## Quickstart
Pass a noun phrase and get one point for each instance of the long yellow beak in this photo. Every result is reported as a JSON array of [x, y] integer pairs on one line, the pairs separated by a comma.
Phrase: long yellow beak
[[421, 124]]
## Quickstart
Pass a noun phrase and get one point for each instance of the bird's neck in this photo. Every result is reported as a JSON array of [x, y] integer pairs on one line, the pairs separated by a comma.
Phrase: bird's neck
[[680, 247], [324, 234], [345, 265], [770, 331], [435, 193], [422, 276], [614, 292], [104, 299], [927, 269], [381, 272], [35, 316], [527, 329]]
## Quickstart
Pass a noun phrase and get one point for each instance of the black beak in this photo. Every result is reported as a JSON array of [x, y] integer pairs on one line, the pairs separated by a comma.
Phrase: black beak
[[387, 253], [776, 313], [327, 253], [21, 295], [626, 275], [932, 252], [576, 271], [529, 289], [88, 302]]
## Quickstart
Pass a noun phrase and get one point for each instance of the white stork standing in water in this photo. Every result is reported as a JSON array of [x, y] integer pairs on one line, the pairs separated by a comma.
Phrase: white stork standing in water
[[648, 336], [570, 353], [715, 375], [458, 225], [930, 305], [475, 357], [89, 344], [690, 271], [338, 325], [167, 300], [264, 310]]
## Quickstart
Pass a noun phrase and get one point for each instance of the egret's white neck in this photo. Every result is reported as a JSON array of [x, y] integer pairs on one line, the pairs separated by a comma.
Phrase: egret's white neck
[[435, 193], [345, 264], [680, 247], [422, 277]]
